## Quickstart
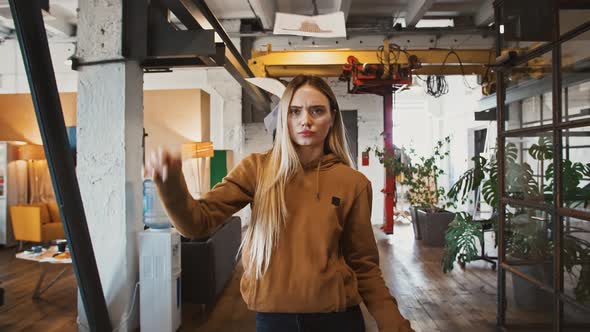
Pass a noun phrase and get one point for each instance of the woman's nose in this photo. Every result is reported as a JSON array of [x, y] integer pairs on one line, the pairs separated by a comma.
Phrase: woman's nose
[[306, 118]]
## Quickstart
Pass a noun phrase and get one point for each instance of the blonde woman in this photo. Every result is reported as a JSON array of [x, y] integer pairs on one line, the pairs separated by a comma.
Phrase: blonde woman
[[309, 255]]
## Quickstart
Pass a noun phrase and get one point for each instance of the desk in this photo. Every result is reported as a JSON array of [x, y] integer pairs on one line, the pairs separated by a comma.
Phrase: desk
[[45, 259]]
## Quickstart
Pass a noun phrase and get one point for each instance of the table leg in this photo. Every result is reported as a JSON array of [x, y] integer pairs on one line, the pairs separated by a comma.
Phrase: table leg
[[38, 291], [43, 272]]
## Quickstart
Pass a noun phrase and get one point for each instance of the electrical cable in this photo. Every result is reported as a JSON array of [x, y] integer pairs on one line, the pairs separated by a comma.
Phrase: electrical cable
[[436, 85], [452, 52], [128, 314]]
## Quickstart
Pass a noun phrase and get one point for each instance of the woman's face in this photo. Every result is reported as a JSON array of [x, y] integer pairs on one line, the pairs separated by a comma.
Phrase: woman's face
[[309, 117]]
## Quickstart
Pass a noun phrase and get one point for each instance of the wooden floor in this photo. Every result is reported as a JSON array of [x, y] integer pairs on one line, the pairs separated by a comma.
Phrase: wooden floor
[[55, 311], [463, 300]]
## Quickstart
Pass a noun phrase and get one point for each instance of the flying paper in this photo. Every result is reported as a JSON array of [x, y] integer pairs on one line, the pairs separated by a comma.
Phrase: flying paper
[[321, 26]]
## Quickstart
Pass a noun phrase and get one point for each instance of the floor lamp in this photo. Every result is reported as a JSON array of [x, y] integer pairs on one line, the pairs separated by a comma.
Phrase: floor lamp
[[32, 153]]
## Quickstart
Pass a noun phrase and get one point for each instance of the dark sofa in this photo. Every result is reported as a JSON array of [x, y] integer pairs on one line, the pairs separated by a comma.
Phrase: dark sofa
[[208, 264]]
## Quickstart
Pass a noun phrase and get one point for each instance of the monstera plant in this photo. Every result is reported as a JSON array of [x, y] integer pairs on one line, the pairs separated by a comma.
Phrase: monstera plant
[[528, 232]]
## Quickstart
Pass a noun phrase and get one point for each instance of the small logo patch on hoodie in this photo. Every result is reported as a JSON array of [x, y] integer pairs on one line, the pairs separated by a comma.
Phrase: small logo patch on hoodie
[[335, 201]]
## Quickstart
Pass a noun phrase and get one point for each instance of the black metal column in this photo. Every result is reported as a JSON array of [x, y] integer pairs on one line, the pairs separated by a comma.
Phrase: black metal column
[[558, 176], [34, 47], [500, 113]]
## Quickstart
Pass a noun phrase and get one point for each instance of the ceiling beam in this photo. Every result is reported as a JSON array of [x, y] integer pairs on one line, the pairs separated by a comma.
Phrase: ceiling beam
[[485, 14], [58, 26], [265, 11], [343, 6], [378, 29], [416, 10], [330, 62], [199, 13], [336, 70], [56, 19]]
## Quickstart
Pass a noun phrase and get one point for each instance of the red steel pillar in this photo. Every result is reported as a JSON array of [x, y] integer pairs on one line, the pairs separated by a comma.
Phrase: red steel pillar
[[389, 189]]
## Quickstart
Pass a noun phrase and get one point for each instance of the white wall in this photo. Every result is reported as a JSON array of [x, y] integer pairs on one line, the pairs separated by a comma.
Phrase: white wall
[[421, 120], [13, 78]]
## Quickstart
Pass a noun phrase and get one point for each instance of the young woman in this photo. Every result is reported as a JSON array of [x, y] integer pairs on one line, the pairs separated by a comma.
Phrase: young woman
[[309, 254]]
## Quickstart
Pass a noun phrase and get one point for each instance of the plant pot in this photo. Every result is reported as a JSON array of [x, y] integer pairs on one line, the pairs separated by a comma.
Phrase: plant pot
[[529, 297], [433, 226], [415, 223]]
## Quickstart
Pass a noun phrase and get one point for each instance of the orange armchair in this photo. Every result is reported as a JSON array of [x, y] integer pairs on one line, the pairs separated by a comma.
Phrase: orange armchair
[[36, 222]]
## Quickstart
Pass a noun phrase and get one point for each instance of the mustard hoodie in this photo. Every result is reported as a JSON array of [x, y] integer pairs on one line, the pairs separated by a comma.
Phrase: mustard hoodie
[[326, 258]]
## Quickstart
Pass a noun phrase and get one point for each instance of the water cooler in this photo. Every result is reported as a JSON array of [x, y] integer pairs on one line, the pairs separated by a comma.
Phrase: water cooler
[[159, 280], [159, 268]]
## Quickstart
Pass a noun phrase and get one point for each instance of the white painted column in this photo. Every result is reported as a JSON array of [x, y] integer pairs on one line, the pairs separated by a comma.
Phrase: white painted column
[[230, 118], [109, 135]]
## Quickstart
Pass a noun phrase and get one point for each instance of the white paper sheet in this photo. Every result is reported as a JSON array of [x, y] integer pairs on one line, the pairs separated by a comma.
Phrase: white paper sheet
[[320, 26]]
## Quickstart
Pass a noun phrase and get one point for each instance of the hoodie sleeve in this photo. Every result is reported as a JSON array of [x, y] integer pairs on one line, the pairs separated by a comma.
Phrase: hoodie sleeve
[[361, 254], [198, 218]]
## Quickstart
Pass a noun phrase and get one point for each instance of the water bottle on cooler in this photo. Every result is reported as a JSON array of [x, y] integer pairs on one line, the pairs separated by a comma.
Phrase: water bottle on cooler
[[154, 215]]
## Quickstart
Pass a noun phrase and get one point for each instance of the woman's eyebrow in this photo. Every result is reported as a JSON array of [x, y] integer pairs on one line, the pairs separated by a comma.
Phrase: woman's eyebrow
[[310, 106]]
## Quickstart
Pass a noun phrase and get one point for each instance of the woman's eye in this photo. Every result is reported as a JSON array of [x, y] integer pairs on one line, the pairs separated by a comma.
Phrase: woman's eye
[[294, 111], [317, 110]]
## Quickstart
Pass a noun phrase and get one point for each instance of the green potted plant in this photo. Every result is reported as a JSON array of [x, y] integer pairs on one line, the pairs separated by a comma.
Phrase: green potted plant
[[527, 231], [426, 198]]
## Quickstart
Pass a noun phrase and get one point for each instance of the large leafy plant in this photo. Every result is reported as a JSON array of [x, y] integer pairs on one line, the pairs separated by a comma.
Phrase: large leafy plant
[[527, 231]]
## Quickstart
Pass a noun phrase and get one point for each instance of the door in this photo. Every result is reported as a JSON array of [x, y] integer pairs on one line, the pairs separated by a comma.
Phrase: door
[[352, 130]]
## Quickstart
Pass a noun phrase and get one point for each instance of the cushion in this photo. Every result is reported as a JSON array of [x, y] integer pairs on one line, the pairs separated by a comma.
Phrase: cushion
[[54, 211], [44, 213]]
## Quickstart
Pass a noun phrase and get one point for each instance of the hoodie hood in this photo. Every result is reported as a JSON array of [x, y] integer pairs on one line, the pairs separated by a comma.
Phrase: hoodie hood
[[323, 163]]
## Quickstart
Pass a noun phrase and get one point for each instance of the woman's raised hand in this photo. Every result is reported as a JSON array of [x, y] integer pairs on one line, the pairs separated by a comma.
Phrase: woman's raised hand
[[165, 169]]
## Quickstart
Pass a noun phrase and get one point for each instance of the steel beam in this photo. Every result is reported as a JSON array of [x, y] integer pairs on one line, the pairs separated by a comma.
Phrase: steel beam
[[330, 62], [166, 41], [164, 45], [34, 46], [196, 12], [354, 29], [336, 70]]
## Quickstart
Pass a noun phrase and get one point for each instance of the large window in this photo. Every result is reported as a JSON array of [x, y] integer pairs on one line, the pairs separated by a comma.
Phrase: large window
[[544, 146]]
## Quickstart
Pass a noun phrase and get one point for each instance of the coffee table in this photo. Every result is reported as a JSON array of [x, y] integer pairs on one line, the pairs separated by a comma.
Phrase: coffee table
[[46, 259]]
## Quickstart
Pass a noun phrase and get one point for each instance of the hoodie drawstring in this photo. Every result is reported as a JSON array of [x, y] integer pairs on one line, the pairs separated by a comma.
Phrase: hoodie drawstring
[[317, 179]]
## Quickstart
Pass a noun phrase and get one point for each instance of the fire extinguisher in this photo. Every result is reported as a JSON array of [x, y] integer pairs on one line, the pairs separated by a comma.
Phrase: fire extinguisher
[[365, 158]]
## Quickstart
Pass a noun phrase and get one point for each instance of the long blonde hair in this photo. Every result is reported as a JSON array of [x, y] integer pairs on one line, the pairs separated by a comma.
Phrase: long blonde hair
[[281, 163]]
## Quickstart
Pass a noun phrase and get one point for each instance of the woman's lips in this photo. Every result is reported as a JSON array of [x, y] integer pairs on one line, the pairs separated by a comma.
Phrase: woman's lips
[[306, 133]]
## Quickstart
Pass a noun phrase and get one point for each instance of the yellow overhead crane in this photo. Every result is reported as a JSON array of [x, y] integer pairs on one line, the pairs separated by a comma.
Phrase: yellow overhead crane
[[379, 71], [329, 63]]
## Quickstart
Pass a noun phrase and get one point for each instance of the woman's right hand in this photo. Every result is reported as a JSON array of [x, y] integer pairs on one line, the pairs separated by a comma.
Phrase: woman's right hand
[[165, 169]]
